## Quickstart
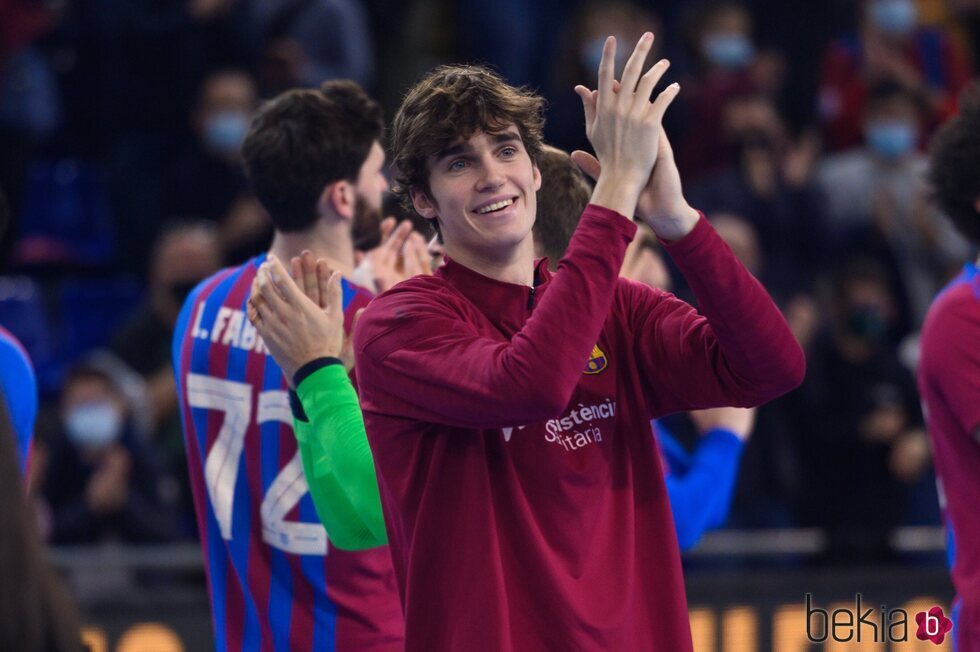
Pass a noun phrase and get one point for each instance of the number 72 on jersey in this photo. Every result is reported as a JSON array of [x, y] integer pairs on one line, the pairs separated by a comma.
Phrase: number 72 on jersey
[[224, 460]]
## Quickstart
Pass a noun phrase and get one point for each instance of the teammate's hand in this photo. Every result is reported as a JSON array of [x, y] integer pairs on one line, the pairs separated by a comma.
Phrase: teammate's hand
[[623, 126], [740, 421], [295, 329], [401, 255]]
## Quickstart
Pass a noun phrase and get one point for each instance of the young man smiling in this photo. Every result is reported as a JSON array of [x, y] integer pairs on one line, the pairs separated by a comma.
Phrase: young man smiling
[[508, 408]]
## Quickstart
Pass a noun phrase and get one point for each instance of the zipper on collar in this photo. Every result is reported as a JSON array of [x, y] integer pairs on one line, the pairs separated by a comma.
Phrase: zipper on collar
[[530, 298]]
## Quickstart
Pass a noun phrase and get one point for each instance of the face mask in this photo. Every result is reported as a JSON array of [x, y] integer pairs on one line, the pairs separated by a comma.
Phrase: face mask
[[225, 131], [728, 50], [867, 323], [93, 425], [891, 139], [896, 17]]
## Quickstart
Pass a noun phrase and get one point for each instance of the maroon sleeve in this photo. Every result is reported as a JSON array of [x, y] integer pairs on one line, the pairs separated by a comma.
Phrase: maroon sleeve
[[417, 357], [951, 362], [738, 351]]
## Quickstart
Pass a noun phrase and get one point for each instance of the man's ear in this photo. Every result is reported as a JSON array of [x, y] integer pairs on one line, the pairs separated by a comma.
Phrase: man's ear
[[423, 204], [537, 176], [338, 198]]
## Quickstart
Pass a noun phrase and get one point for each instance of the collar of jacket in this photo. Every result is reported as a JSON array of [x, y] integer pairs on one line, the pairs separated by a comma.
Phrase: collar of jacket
[[493, 297]]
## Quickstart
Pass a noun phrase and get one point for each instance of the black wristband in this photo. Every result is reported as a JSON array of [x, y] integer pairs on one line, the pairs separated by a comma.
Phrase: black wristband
[[315, 365], [296, 406]]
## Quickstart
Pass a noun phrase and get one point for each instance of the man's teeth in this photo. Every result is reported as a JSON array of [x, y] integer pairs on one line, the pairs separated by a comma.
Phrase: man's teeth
[[496, 206]]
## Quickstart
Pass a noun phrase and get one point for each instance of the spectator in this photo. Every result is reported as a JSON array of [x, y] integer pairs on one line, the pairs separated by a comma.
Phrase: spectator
[[877, 201], [102, 483], [308, 42], [582, 48], [208, 180], [35, 612], [889, 47], [727, 64], [208, 176], [182, 256], [862, 445], [769, 184]]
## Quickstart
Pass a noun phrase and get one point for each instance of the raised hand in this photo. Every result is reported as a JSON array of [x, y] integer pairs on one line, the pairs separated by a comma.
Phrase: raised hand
[[397, 257], [295, 329], [661, 204], [623, 126]]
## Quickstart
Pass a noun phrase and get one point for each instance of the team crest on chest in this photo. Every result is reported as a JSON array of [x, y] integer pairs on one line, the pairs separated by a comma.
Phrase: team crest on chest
[[597, 361]]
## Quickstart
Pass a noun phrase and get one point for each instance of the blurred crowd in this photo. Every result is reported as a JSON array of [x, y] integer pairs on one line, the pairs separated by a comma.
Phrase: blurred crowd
[[800, 131]]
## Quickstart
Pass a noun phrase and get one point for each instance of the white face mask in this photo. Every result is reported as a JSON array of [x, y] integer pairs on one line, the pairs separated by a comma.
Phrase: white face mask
[[94, 425]]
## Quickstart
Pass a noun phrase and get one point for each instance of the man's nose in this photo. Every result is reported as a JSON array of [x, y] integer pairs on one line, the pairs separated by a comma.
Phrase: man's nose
[[493, 175]]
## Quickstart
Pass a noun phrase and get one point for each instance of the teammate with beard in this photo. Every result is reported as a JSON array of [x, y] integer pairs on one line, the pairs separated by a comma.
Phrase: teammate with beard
[[314, 160], [949, 369]]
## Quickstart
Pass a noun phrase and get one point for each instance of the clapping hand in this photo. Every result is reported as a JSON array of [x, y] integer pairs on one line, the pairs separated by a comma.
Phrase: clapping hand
[[634, 164], [297, 329]]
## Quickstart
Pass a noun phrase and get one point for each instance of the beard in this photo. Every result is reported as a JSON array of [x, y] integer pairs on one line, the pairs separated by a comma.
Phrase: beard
[[366, 226]]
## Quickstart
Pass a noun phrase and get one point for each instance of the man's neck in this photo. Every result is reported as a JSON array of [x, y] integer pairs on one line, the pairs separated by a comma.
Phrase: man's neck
[[332, 243], [515, 266]]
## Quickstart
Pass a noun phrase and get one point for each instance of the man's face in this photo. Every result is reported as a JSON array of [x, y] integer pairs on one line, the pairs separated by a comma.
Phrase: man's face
[[483, 193], [370, 187]]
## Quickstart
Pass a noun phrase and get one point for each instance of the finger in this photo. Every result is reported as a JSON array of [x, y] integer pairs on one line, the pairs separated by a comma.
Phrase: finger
[[410, 263], [587, 163], [335, 296], [287, 287], [386, 227], [650, 79], [665, 150], [607, 72], [296, 273], [296, 268], [398, 237], [634, 66], [588, 104], [323, 273], [357, 318], [310, 285], [422, 254], [663, 100], [251, 311], [264, 293], [264, 316]]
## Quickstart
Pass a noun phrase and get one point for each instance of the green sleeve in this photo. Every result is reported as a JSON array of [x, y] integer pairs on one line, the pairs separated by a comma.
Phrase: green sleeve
[[337, 460]]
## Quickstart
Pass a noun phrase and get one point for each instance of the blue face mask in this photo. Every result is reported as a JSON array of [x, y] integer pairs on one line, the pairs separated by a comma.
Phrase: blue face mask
[[225, 131], [728, 50], [93, 425], [891, 139], [896, 17]]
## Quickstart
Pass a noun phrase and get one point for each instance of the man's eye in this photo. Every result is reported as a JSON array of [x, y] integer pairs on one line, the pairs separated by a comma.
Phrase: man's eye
[[457, 165], [508, 151]]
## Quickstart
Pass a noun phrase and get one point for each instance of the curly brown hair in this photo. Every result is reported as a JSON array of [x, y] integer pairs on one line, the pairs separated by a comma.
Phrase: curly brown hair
[[954, 163], [453, 102], [304, 140]]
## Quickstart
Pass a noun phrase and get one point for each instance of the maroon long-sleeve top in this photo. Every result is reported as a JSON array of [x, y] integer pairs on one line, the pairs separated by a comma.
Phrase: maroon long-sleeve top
[[520, 483]]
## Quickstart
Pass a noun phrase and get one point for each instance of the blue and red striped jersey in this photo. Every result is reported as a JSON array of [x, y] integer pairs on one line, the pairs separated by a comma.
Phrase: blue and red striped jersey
[[275, 582], [19, 392]]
